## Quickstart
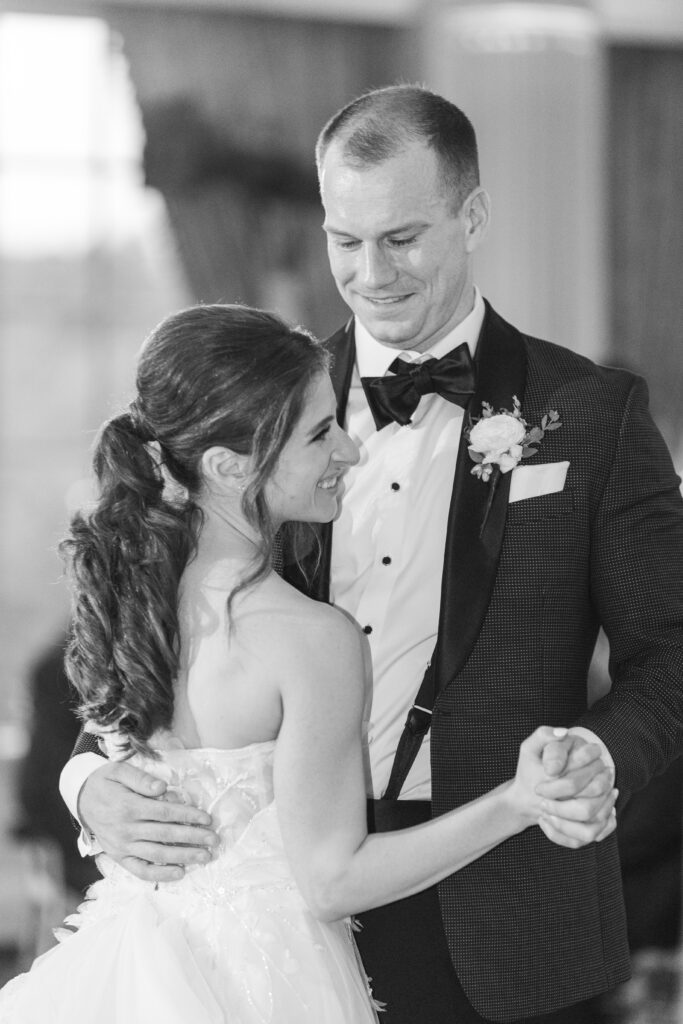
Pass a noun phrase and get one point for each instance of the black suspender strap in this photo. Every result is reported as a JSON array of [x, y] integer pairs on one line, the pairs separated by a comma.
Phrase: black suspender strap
[[416, 727]]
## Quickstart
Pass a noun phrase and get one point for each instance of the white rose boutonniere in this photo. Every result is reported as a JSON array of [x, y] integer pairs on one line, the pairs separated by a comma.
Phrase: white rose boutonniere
[[498, 441]]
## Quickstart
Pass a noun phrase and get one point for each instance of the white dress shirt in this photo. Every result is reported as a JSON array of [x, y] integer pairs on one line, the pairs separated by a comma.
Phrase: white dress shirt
[[389, 541]]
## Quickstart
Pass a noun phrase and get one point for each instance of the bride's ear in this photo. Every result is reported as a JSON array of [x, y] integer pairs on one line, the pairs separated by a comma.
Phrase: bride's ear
[[224, 470]]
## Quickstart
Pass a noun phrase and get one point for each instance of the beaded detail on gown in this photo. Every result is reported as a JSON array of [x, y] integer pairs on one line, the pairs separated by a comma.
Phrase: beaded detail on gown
[[231, 943]]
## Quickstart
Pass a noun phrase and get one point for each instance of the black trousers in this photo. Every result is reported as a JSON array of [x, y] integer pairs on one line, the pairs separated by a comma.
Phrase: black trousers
[[406, 956]]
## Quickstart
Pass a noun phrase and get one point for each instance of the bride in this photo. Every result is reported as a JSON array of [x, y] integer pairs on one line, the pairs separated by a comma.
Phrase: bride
[[199, 663]]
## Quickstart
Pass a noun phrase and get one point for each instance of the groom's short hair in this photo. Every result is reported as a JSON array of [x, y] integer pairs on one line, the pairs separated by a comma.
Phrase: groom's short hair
[[378, 124]]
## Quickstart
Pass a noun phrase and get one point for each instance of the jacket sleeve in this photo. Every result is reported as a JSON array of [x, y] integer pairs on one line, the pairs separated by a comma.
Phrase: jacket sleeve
[[637, 589]]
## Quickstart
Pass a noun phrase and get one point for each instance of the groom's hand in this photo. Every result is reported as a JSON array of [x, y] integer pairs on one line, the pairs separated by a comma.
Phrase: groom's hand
[[149, 835], [579, 794]]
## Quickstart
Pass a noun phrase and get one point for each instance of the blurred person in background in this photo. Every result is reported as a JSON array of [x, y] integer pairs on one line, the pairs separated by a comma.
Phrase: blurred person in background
[[53, 730]]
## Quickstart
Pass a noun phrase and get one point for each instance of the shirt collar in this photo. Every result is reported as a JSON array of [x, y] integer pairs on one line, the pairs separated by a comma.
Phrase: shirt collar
[[373, 359]]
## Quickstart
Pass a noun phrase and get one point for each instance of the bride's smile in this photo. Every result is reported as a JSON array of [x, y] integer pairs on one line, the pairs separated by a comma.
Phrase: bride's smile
[[308, 482]]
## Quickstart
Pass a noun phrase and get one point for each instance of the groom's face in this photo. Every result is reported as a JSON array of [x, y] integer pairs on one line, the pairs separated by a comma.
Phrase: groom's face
[[399, 251]]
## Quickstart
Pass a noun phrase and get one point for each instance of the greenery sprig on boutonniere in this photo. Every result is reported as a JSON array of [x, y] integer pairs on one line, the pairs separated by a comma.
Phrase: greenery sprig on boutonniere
[[498, 441]]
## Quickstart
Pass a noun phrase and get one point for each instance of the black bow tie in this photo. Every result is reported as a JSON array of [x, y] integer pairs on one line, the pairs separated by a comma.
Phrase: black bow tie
[[396, 398]]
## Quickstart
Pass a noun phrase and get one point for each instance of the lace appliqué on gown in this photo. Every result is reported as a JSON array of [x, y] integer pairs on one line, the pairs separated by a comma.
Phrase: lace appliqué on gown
[[231, 943]]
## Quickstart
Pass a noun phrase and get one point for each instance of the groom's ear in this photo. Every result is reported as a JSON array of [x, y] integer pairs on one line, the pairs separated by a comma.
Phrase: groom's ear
[[477, 211], [224, 470]]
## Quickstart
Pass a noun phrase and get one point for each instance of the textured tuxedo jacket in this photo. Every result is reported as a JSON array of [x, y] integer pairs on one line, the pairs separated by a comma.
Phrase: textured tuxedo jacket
[[532, 926]]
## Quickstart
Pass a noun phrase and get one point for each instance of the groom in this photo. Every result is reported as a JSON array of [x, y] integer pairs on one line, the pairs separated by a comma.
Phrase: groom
[[519, 570], [490, 588]]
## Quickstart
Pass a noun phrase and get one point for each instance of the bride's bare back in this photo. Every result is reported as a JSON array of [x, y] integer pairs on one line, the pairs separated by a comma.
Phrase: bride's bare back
[[237, 663]]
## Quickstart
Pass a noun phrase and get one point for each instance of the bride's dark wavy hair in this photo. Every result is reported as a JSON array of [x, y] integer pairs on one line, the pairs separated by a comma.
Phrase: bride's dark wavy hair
[[223, 375]]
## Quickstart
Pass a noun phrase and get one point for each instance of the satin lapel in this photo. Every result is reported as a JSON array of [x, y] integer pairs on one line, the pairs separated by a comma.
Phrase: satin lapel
[[471, 556], [342, 346], [343, 349]]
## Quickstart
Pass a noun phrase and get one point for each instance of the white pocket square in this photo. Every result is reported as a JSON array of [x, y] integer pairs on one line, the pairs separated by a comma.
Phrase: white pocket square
[[531, 481]]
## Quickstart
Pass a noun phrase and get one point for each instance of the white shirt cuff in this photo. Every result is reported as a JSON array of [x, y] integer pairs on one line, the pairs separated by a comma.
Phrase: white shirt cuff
[[590, 737], [71, 780]]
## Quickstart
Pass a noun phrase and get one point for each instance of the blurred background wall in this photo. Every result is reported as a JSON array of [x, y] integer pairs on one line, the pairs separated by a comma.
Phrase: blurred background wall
[[159, 152]]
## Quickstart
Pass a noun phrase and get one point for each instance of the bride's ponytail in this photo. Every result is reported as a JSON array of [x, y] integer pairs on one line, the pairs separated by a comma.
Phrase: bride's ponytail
[[126, 556]]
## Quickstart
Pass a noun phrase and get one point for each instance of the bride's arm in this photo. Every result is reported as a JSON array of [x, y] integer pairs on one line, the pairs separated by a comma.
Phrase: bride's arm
[[320, 789]]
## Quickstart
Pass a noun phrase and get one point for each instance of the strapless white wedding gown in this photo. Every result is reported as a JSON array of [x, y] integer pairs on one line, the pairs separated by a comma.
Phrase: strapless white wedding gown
[[231, 943]]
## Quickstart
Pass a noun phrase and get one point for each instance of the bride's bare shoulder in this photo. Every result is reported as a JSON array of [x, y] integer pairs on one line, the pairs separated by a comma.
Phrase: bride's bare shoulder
[[296, 610], [308, 630]]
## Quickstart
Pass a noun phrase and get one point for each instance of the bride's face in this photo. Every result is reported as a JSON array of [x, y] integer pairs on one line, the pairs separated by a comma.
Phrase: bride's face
[[308, 484]]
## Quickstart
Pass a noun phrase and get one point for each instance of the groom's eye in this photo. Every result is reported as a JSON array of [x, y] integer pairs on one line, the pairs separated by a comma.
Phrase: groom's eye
[[400, 242]]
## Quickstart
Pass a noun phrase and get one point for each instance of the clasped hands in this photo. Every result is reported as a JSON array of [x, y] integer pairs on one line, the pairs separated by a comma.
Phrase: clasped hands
[[576, 794]]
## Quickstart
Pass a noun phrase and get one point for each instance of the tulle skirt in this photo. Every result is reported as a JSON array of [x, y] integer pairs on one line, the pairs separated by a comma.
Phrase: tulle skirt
[[248, 952]]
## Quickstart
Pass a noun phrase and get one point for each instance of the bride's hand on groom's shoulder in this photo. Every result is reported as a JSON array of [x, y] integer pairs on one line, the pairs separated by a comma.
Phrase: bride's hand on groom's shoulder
[[141, 828]]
